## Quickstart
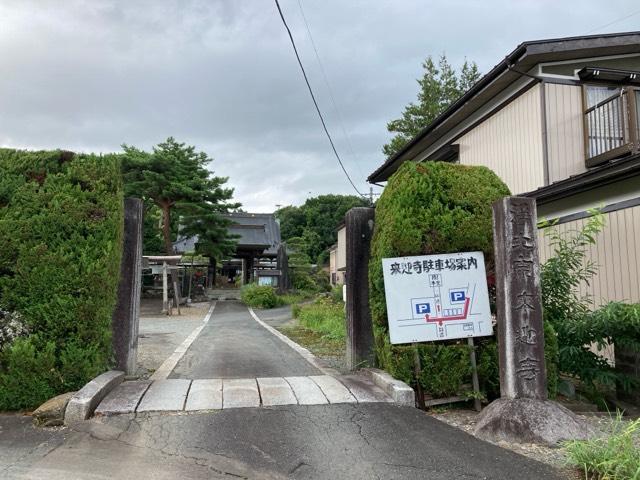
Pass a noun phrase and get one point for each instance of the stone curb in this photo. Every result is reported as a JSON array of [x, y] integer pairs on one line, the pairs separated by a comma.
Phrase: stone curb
[[85, 401], [401, 393]]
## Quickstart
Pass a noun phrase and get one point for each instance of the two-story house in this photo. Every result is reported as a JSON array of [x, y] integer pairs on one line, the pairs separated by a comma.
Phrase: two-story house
[[557, 120]]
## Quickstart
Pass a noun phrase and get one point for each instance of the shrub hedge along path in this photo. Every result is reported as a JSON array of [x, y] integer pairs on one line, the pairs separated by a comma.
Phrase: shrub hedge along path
[[428, 208], [61, 217]]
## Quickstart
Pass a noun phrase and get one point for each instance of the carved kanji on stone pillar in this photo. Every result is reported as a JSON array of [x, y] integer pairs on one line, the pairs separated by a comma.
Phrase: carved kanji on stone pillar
[[519, 302], [522, 413]]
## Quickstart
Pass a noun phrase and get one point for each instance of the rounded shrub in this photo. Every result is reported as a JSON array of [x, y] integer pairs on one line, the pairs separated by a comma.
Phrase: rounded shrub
[[428, 208], [259, 296]]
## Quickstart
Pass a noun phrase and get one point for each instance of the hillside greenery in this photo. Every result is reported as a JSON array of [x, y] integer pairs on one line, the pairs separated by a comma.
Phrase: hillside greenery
[[312, 227]]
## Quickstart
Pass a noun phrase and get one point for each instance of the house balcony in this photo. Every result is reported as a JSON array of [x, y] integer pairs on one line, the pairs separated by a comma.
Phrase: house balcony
[[612, 127]]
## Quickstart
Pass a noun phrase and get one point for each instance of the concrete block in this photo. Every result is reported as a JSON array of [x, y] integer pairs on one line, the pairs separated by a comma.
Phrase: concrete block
[[205, 394], [400, 392], [364, 389], [240, 392], [85, 401], [335, 391], [165, 395], [306, 391], [276, 391], [124, 398]]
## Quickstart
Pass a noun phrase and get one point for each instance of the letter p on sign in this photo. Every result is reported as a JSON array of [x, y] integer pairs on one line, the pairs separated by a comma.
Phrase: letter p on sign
[[457, 296], [423, 308]]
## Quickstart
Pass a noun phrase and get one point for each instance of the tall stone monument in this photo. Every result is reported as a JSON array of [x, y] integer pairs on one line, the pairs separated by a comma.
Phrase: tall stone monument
[[359, 231], [523, 413], [126, 315]]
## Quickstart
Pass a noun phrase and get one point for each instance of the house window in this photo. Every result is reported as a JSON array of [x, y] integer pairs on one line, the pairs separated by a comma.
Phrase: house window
[[611, 122]]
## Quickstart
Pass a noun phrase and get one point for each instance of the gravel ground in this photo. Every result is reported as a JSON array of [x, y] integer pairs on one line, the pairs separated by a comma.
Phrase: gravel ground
[[466, 420], [159, 334]]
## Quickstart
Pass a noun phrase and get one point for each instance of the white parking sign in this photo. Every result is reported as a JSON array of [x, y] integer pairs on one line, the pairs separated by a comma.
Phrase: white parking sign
[[437, 297]]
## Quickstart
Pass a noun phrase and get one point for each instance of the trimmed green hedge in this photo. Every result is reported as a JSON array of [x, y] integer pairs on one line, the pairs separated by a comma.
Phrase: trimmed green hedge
[[427, 208], [61, 219]]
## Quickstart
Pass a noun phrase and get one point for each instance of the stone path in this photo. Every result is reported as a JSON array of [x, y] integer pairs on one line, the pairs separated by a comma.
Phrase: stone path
[[178, 394]]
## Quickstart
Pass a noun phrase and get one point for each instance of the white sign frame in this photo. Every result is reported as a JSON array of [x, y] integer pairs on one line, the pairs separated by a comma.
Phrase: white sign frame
[[437, 297]]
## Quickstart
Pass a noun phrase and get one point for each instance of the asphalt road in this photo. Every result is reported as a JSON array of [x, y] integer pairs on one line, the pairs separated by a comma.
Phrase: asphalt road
[[339, 441], [371, 441], [234, 345]]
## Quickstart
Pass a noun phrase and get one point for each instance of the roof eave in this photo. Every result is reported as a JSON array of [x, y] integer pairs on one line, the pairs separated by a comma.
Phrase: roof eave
[[614, 43], [611, 172]]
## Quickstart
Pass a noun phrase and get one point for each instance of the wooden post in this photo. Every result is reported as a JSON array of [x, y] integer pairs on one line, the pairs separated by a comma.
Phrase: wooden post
[[190, 277], [283, 266], [417, 372], [176, 290], [126, 315], [477, 404], [211, 272], [165, 289], [359, 230]]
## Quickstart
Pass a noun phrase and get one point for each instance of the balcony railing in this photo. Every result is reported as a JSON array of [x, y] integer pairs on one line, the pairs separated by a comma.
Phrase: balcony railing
[[612, 127]]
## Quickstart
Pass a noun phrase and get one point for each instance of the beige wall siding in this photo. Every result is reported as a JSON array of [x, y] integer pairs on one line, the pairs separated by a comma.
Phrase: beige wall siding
[[565, 141], [341, 250], [510, 143], [617, 253]]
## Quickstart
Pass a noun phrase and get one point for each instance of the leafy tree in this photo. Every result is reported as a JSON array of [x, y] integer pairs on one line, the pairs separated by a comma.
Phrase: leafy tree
[[314, 224], [292, 221], [175, 178], [299, 263], [151, 231], [440, 86]]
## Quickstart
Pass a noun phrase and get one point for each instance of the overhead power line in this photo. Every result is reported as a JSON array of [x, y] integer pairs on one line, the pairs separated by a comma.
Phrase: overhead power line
[[329, 89], [613, 22], [306, 79]]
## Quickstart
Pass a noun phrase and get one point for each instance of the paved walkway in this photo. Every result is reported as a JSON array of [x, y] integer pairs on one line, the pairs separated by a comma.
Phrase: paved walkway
[[234, 345], [233, 360]]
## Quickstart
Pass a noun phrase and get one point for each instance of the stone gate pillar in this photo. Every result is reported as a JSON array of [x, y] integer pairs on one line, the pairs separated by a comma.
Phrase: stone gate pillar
[[523, 413], [359, 230], [126, 315], [519, 299]]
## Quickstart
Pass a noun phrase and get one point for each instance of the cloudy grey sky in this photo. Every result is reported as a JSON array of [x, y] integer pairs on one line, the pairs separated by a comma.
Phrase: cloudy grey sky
[[221, 75]]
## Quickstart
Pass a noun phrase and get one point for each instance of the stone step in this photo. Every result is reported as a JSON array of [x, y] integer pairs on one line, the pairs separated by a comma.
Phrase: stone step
[[174, 395], [124, 398], [165, 396], [205, 395]]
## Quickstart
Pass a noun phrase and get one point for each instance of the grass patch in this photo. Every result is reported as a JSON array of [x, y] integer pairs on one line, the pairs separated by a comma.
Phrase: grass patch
[[294, 298], [316, 342], [612, 457], [323, 316]]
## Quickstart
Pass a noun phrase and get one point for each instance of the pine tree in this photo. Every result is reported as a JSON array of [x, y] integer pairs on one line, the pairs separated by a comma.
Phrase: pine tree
[[440, 86], [175, 178]]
